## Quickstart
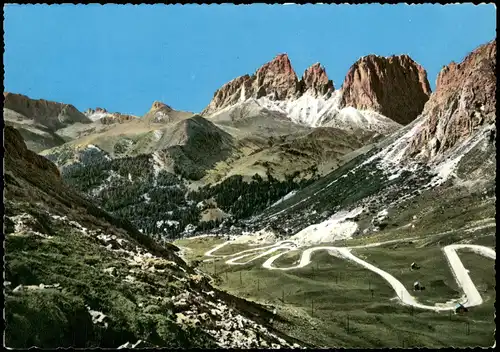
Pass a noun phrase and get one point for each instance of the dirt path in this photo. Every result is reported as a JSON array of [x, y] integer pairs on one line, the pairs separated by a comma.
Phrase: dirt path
[[471, 294]]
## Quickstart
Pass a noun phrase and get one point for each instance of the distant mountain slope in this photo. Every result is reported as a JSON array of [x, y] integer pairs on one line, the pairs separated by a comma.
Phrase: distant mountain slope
[[106, 117], [162, 113], [443, 160], [50, 114], [268, 130], [254, 114], [78, 277], [47, 124], [39, 121], [153, 175], [188, 146]]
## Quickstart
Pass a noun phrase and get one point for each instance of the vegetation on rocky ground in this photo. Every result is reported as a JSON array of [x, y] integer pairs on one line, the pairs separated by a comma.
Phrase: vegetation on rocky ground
[[78, 277], [159, 203]]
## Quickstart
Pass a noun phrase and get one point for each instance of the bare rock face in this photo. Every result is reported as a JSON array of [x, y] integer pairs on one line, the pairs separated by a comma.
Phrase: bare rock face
[[109, 118], [159, 105], [276, 80], [163, 113], [396, 87], [464, 100], [315, 81], [116, 118], [230, 93], [91, 111], [46, 113]]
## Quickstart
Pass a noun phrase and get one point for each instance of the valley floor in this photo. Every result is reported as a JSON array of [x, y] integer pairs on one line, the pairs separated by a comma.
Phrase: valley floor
[[355, 294]]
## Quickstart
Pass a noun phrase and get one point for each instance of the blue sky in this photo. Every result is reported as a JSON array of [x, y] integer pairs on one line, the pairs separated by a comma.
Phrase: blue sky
[[123, 58]]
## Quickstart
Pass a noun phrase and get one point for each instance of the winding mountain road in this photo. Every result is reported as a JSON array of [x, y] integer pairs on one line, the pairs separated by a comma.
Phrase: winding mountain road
[[471, 295]]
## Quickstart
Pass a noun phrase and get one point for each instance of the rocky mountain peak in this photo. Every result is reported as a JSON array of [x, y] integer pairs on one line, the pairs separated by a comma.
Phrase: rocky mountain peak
[[97, 110], [276, 79], [47, 113], [395, 86], [315, 81], [279, 65], [464, 100], [107, 118], [163, 113], [159, 105], [481, 59]]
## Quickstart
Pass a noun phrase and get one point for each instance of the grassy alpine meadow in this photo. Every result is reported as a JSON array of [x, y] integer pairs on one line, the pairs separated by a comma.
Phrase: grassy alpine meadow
[[334, 302], [195, 248]]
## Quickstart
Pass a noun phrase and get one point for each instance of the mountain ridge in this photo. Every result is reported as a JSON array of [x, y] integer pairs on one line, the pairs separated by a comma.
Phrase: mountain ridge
[[277, 83]]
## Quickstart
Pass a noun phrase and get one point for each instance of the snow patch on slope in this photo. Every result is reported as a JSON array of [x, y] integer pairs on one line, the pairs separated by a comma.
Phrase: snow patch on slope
[[446, 169], [158, 164], [315, 111], [157, 134], [351, 118], [393, 158], [289, 195], [337, 227], [307, 109], [95, 116]]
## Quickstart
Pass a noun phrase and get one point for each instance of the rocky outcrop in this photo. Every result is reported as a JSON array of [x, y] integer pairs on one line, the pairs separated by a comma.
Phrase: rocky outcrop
[[160, 113], [97, 110], [396, 87], [275, 79], [230, 93], [159, 105], [100, 110], [108, 118], [50, 114], [465, 99], [315, 81], [116, 118]]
